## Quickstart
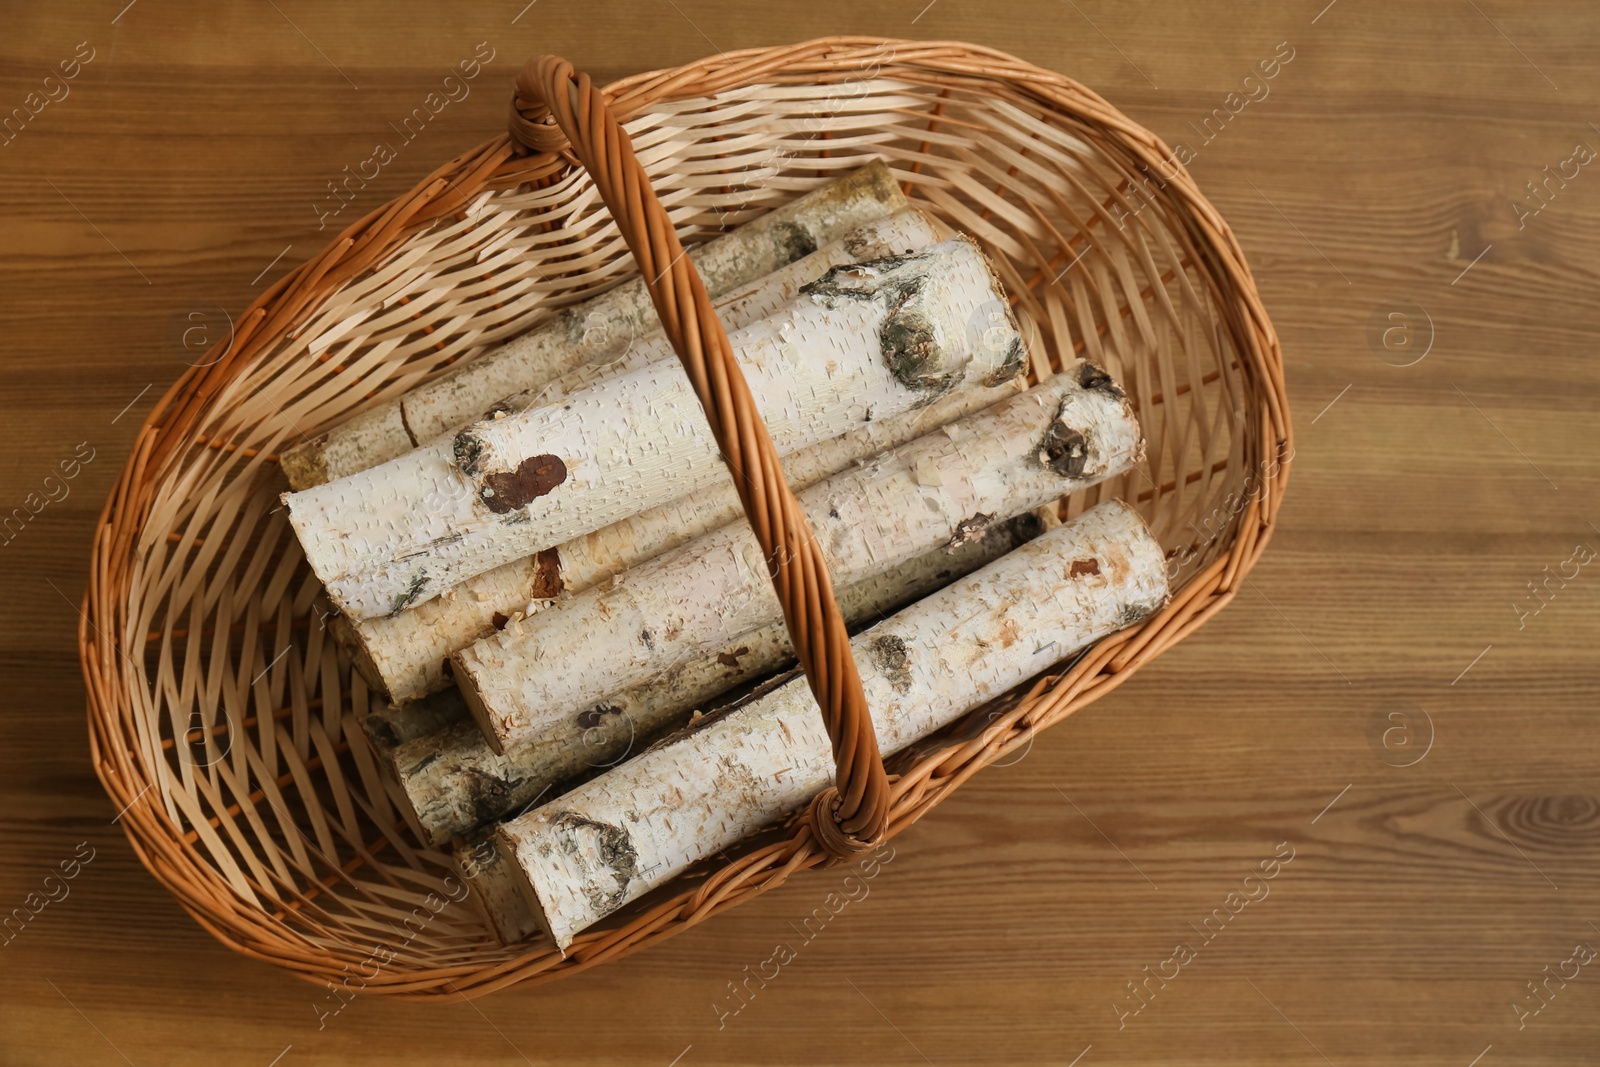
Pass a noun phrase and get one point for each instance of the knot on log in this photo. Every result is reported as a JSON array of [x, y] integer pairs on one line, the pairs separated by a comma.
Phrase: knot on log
[[834, 839]]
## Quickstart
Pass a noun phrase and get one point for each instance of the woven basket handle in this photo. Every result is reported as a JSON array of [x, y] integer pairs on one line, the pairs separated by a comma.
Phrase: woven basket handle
[[555, 107]]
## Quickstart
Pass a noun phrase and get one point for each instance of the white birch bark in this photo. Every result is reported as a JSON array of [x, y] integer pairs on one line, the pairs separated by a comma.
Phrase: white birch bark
[[456, 782], [947, 485], [405, 655], [626, 832], [590, 331], [863, 342], [900, 233]]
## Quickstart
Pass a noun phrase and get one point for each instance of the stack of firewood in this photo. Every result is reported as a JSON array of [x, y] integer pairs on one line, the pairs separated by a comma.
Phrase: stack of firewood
[[540, 560]]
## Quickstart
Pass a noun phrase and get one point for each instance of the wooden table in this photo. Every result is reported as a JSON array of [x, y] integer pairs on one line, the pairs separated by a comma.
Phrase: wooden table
[[1442, 860]]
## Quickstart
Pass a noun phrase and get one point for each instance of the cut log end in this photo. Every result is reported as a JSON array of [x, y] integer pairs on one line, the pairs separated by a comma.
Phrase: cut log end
[[348, 636], [480, 711], [533, 905], [306, 464], [388, 728], [569, 835], [875, 181], [348, 447], [492, 876]]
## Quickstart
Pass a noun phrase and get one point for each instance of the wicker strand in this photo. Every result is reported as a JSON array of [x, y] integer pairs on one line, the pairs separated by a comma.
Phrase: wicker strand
[[851, 816]]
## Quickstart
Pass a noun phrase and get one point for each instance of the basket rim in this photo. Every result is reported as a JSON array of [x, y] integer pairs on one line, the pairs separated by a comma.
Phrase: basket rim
[[500, 163]]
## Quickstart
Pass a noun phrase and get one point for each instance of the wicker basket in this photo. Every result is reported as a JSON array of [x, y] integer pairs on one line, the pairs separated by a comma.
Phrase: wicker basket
[[221, 714]]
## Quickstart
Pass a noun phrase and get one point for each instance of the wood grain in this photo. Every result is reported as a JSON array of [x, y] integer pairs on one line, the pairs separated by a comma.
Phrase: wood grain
[[192, 151]]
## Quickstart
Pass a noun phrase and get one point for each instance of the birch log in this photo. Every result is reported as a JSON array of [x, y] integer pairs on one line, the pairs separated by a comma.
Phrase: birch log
[[405, 655], [592, 331], [1066, 433], [607, 842], [456, 782], [864, 342], [900, 233]]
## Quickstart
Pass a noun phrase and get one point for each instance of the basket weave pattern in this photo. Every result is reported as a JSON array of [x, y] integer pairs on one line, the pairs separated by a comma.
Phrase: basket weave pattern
[[223, 716]]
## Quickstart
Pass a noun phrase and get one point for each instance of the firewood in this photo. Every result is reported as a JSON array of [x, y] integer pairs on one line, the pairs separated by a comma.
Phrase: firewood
[[589, 332], [605, 843], [1066, 433], [404, 655], [900, 233], [455, 781], [864, 342]]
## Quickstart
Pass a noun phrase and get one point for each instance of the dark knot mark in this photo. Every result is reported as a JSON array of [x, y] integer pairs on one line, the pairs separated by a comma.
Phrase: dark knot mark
[[1064, 450], [1092, 377], [907, 340], [912, 350], [468, 451], [588, 720], [1025, 527], [969, 530], [616, 851], [892, 657], [506, 491], [412, 591], [793, 241], [1081, 567], [1014, 362]]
